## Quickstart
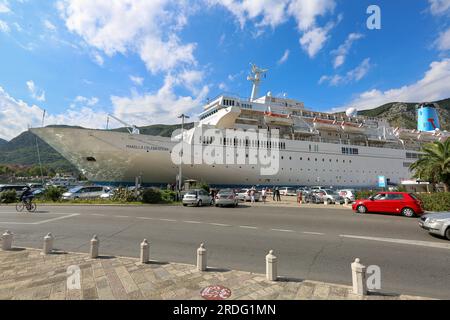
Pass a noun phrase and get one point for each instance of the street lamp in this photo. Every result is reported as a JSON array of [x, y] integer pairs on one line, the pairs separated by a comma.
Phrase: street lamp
[[180, 169]]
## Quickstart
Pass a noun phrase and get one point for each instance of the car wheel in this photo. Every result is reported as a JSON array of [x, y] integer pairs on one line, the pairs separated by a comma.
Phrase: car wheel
[[447, 233], [361, 209], [329, 201], [184, 205], [199, 203], [408, 212]]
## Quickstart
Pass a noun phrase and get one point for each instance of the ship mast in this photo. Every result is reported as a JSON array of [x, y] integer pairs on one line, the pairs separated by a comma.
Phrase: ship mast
[[255, 78]]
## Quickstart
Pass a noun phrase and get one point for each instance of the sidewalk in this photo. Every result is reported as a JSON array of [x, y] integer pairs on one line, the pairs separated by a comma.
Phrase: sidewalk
[[291, 202], [26, 274]]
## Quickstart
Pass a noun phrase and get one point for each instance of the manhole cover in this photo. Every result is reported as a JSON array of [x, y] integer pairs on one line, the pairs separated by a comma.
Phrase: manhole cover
[[215, 293]]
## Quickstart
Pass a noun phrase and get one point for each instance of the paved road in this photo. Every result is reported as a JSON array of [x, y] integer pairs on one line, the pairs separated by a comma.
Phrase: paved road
[[314, 244]]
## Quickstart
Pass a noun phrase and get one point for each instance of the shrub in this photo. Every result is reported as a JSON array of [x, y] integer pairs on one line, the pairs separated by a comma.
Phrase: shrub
[[9, 196], [168, 196], [364, 194], [202, 185], [151, 196], [53, 194], [124, 195], [439, 201]]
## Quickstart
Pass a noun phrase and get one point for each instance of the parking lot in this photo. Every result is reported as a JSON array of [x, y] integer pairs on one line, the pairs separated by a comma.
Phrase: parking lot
[[314, 243]]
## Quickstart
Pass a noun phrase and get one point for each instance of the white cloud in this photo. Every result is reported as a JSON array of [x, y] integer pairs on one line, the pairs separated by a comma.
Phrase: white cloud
[[4, 6], [16, 116], [443, 42], [342, 51], [223, 86], [35, 92], [137, 80], [275, 12], [87, 101], [50, 26], [435, 85], [4, 27], [284, 58], [147, 28], [98, 59], [439, 7], [353, 75]]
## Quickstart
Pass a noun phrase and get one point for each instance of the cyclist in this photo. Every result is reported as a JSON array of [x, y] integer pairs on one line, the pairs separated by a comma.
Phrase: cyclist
[[27, 196]]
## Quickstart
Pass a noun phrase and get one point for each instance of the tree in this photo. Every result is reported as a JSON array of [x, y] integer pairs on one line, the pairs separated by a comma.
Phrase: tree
[[434, 164]]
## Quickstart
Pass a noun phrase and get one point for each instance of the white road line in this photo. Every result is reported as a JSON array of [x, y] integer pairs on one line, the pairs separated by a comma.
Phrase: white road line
[[314, 233], [401, 241], [193, 222], [41, 222], [220, 224], [282, 230], [145, 218], [169, 220], [248, 227], [121, 216], [98, 214]]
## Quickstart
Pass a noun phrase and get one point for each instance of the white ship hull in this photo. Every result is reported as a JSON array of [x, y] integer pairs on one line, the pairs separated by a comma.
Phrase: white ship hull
[[112, 157]]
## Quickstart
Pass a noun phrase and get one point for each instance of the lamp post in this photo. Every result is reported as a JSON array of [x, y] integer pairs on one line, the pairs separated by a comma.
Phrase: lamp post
[[180, 169]]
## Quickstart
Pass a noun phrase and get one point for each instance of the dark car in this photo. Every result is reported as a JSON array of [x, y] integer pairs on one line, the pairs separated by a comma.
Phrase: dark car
[[406, 204], [313, 197]]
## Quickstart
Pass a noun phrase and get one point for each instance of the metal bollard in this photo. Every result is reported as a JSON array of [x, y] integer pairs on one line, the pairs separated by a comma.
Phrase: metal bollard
[[201, 258], [48, 244], [271, 266], [7, 239], [359, 278], [94, 246], [145, 251]]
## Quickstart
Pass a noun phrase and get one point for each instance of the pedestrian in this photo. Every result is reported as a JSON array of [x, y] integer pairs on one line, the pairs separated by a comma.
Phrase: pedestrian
[[263, 195], [274, 193], [278, 195], [299, 197], [252, 195]]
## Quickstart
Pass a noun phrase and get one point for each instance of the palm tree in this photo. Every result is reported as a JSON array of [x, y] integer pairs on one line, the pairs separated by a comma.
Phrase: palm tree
[[434, 164]]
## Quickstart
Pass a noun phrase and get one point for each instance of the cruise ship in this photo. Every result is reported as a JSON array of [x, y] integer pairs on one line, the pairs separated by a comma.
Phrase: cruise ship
[[311, 148]]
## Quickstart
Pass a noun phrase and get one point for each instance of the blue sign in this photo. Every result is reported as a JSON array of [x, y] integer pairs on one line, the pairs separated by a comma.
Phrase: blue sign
[[382, 182]]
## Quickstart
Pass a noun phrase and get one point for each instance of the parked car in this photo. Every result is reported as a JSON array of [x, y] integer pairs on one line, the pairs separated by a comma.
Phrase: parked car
[[349, 194], [90, 192], [197, 197], [312, 197], [226, 197], [330, 196], [287, 191], [403, 203], [244, 195], [108, 194], [436, 223]]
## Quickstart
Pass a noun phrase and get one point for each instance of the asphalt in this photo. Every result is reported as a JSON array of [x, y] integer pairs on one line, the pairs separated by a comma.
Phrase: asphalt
[[310, 243]]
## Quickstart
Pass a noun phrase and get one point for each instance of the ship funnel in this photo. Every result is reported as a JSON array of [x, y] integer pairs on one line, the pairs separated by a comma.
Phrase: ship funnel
[[428, 117]]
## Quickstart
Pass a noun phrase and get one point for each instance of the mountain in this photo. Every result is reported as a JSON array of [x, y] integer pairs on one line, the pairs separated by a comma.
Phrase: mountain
[[3, 142], [404, 114]]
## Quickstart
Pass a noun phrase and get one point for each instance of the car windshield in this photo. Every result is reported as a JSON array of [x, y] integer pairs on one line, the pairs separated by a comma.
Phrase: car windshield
[[75, 190]]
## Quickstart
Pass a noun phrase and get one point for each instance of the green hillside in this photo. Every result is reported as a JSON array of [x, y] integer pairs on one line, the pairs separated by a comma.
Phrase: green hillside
[[3, 142]]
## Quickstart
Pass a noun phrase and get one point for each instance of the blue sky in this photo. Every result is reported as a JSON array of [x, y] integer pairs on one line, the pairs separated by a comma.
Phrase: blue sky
[[148, 61]]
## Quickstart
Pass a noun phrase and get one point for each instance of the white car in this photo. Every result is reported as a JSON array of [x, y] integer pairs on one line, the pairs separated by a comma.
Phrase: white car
[[349, 194], [244, 195], [436, 223], [89, 192], [287, 191], [197, 197]]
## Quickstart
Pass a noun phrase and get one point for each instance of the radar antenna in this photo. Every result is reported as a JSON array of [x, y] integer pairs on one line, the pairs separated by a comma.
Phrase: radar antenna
[[255, 78]]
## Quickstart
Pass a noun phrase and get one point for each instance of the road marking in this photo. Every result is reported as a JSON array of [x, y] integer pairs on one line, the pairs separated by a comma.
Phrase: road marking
[[314, 233], [98, 214], [41, 222], [145, 218], [193, 222], [282, 230], [121, 216], [220, 224], [402, 241], [169, 220], [248, 227]]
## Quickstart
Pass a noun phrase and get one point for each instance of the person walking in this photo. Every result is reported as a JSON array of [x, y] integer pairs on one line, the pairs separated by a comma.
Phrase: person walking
[[278, 195], [263, 195], [252, 195]]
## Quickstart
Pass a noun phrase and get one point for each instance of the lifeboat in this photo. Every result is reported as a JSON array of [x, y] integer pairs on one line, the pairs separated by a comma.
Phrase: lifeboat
[[352, 127], [271, 118], [329, 125]]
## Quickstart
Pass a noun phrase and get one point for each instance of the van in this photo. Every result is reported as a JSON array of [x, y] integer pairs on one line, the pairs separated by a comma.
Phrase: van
[[84, 192]]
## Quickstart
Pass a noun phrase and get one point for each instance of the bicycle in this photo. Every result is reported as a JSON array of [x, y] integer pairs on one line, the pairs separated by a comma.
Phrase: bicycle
[[29, 205]]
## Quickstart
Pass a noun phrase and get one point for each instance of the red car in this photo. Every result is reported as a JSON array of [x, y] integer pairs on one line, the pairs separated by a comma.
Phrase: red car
[[403, 203]]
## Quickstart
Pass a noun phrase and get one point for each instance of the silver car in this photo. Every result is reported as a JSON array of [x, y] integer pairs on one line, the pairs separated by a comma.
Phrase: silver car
[[436, 223], [197, 197], [244, 195], [90, 192], [226, 197]]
